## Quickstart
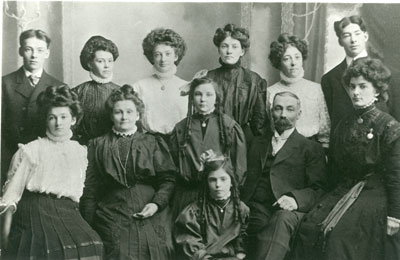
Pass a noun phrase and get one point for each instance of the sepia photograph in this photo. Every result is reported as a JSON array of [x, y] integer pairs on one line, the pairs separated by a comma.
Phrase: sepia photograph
[[200, 130]]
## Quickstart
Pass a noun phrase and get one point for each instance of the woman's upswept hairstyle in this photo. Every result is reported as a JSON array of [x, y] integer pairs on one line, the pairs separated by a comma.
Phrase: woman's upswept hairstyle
[[373, 71], [167, 37], [279, 47], [97, 43], [58, 96], [223, 131], [238, 33], [211, 165], [125, 92]]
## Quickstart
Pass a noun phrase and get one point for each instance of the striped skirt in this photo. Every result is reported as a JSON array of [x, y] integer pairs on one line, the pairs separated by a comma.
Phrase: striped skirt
[[45, 227]]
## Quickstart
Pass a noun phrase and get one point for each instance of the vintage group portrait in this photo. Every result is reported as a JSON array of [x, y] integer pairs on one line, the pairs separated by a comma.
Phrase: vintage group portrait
[[200, 130]]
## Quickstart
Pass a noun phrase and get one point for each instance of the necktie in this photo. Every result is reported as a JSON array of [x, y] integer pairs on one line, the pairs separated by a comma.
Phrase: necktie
[[33, 80]]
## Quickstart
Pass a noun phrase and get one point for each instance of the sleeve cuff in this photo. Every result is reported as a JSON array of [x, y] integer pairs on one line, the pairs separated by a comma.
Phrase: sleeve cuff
[[394, 219]]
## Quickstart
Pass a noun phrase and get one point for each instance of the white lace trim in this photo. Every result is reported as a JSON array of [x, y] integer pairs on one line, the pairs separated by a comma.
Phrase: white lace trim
[[100, 80]]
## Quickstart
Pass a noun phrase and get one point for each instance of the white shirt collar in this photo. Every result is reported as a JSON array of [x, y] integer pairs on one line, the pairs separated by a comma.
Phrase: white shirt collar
[[362, 54], [37, 74], [285, 134]]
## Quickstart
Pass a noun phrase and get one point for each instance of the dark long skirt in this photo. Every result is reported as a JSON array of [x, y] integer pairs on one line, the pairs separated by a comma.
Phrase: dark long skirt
[[125, 237], [45, 227], [360, 233]]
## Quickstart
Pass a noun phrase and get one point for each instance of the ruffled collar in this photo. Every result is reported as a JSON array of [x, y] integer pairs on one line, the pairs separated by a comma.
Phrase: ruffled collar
[[59, 139], [222, 201], [289, 81], [230, 66], [371, 103], [124, 134], [100, 80], [165, 75], [365, 110]]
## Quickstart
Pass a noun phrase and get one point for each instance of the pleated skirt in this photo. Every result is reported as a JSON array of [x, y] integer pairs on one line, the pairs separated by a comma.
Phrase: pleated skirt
[[126, 237], [47, 227]]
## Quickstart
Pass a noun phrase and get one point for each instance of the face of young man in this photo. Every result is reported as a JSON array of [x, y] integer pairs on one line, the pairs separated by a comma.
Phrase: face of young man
[[353, 40], [34, 53]]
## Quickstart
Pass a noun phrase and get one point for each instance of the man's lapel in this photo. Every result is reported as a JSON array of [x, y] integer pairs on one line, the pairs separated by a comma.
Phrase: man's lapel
[[288, 148], [22, 84]]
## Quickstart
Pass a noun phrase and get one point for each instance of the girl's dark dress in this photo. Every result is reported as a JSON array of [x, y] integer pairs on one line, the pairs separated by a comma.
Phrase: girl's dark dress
[[244, 97], [365, 147], [96, 120], [224, 235], [124, 174], [203, 139]]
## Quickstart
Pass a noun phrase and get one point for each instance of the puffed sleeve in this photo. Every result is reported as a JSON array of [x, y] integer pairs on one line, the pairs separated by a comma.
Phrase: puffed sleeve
[[165, 173], [324, 121], [392, 173], [238, 152], [21, 168], [187, 233], [259, 120], [92, 189], [239, 243]]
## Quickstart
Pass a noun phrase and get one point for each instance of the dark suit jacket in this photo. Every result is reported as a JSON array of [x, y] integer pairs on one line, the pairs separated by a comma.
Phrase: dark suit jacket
[[337, 100], [20, 122], [298, 169]]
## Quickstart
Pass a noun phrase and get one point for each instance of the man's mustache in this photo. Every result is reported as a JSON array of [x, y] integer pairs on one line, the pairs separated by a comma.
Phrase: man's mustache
[[282, 122]]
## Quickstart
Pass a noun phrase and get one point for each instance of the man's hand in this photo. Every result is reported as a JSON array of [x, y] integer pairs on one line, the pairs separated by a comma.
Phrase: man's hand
[[286, 203]]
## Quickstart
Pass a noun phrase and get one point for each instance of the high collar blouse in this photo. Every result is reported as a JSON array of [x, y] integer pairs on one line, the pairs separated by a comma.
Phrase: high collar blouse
[[47, 166], [164, 105]]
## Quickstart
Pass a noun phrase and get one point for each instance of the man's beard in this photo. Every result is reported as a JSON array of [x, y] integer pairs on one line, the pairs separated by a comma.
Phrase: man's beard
[[282, 124]]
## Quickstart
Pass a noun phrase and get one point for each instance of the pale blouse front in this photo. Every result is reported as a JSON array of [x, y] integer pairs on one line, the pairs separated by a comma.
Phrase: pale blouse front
[[314, 118], [46, 166], [164, 106]]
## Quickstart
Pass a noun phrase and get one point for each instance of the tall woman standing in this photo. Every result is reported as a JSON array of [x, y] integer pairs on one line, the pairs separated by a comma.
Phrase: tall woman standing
[[244, 91], [160, 92], [98, 57]]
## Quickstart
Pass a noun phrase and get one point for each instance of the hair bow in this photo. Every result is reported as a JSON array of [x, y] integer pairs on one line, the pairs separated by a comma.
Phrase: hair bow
[[186, 88]]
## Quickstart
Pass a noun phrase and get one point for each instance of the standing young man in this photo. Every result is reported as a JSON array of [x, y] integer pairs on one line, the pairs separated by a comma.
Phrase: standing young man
[[353, 37], [20, 89]]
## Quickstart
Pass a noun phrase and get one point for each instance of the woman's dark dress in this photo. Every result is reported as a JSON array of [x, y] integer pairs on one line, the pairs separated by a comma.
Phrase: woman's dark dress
[[96, 120], [188, 162], [244, 97], [112, 195], [361, 149]]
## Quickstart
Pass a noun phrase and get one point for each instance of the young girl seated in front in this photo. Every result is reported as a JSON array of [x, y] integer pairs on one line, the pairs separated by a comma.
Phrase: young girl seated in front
[[213, 227]]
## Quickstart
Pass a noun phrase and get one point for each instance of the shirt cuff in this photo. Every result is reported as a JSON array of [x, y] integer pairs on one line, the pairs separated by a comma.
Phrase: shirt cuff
[[394, 219]]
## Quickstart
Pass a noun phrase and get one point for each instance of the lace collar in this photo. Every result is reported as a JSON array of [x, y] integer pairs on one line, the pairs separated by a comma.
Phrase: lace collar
[[100, 80], [289, 81], [124, 134], [59, 139], [165, 75]]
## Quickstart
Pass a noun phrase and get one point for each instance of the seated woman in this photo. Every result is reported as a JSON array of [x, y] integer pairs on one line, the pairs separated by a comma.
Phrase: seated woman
[[214, 226], [97, 56], [360, 217], [244, 91], [46, 179], [160, 92], [204, 128], [130, 179], [287, 55]]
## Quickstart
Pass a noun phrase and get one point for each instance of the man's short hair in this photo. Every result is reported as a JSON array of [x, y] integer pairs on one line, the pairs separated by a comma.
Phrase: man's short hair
[[287, 94], [340, 25], [32, 33]]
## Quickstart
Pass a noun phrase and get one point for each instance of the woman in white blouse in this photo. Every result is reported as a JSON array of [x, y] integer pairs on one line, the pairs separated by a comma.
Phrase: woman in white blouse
[[287, 55], [45, 180], [160, 92]]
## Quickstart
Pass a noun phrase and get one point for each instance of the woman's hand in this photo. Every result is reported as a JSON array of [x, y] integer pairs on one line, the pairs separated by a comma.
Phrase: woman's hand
[[149, 210], [6, 220], [393, 226]]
